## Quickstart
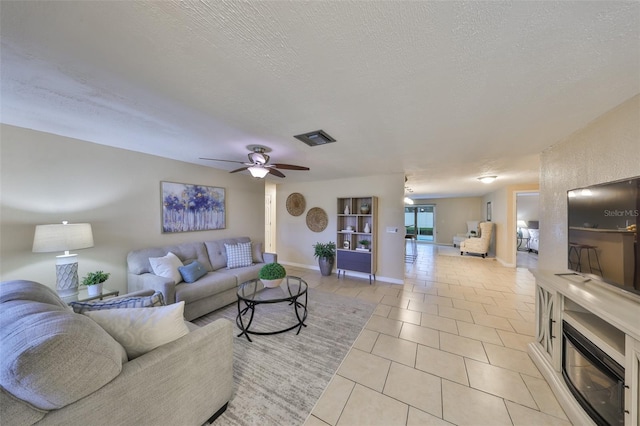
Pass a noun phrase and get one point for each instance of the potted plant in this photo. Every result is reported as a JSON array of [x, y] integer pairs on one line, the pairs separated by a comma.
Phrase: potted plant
[[94, 281], [272, 274], [364, 244], [326, 254]]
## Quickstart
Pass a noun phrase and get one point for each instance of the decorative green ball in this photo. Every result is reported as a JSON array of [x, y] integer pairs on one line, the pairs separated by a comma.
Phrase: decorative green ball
[[272, 271]]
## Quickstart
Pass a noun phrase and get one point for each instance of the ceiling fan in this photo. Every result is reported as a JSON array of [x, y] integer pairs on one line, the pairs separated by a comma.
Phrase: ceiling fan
[[258, 163]]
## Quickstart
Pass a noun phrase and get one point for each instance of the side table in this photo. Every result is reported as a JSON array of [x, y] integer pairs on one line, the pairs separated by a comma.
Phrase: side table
[[83, 295]]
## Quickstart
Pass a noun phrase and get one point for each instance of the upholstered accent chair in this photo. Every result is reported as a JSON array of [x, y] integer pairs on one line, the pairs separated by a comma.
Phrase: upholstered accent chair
[[479, 245], [472, 225]]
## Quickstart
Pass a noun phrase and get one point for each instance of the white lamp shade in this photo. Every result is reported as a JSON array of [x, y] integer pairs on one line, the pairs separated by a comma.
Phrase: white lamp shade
[[258, 172], [62, 237]]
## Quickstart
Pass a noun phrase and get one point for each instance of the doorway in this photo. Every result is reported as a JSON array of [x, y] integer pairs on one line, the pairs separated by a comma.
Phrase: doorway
[[419, 221]]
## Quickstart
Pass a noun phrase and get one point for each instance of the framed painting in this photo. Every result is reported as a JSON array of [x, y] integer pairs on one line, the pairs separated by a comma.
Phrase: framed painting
[[187, 208], [489, 211]]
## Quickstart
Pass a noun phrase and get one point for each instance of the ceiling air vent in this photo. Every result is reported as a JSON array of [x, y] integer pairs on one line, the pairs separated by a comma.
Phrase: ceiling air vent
[[319, 137]]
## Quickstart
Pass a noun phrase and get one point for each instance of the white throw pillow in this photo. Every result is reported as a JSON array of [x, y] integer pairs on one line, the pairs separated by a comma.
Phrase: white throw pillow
[[239, 255], [141, 330], [167, 266]]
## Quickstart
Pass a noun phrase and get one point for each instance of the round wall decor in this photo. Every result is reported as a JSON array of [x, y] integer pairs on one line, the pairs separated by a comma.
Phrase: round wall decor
[[295, 204], [317, 219]]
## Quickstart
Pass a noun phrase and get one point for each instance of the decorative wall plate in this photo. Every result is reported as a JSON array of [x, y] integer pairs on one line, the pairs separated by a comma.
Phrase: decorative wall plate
[[317, 219], [296, 204]]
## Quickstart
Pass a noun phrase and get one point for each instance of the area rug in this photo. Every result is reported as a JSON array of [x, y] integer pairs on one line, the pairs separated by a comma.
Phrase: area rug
[[279, 378]]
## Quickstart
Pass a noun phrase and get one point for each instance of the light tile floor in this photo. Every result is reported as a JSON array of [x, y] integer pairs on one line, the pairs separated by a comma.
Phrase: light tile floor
[[447, 347]]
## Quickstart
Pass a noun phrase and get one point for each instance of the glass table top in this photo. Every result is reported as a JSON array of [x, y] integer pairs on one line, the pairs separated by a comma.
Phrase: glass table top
[[290, 288]]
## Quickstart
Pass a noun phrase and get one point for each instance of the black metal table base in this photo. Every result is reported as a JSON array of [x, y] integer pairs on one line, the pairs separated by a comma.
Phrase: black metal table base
[[250, 306]]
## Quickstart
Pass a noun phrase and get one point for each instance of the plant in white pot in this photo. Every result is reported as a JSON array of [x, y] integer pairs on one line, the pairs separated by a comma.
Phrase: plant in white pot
[[326, 253], [272, 274], [94, 281], [364, 244]]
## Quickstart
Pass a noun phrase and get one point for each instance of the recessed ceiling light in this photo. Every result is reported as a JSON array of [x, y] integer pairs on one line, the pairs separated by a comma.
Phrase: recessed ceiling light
[[487, 179]]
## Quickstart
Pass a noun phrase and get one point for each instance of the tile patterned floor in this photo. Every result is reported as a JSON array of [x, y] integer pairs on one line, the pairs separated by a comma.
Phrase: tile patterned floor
[[447, 347]]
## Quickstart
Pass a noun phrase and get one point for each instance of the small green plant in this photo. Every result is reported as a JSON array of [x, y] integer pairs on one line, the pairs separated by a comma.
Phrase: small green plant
[[94, 278], [364, 243], [272, 271], [324, 250]]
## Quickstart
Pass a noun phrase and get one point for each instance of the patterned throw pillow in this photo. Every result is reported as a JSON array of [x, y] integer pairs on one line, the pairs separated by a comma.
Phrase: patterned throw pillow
[[238, 255], [192, 272], [156, 299]]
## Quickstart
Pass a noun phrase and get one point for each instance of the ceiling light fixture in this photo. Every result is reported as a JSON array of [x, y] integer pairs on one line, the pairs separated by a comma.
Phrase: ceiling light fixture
[[487, 179], [408, 200], [258, 171]]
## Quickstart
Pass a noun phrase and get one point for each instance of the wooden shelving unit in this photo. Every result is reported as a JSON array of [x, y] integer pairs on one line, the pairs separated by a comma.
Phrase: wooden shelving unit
[[356, 223]]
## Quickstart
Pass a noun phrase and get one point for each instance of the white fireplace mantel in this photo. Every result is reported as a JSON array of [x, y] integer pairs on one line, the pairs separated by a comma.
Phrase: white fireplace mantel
[[609, 317]]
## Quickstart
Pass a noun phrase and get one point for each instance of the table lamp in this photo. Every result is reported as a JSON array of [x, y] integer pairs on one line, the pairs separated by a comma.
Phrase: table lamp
[[64, 237]]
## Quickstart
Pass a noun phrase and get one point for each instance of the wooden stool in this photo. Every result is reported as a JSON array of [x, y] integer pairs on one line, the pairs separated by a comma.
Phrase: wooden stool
[[578, 250]]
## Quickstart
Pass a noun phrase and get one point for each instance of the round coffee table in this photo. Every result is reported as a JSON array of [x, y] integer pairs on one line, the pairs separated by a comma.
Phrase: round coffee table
[[293, 291]]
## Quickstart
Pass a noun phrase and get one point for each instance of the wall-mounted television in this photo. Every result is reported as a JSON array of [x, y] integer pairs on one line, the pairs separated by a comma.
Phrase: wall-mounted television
[[603, 224]]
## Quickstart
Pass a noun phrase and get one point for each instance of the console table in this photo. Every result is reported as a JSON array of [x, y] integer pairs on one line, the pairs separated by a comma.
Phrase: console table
[[607, 317]]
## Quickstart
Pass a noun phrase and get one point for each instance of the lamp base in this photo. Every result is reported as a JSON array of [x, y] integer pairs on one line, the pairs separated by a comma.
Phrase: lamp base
[[67, 275]]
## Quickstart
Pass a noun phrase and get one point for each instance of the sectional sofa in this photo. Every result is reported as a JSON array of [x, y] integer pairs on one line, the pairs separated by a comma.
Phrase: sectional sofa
[[58, 367]]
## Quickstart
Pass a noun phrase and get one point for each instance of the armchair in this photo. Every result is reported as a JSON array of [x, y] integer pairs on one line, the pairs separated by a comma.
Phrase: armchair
[[479, 245], [472, 225]]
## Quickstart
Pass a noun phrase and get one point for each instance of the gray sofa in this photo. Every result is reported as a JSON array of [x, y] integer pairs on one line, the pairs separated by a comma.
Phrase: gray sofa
[[62, 368], [215, 290]]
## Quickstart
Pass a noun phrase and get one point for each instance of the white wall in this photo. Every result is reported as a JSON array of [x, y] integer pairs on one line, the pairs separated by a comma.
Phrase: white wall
[[47, 178], [452, 215], [295, 239], [607, 149], [527, 206]]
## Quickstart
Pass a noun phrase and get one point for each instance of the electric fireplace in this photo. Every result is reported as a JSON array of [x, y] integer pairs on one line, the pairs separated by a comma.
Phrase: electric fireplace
[[595, 379]]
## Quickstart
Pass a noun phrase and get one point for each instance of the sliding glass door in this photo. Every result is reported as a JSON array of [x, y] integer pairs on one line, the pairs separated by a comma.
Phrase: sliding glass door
[[419, 221]]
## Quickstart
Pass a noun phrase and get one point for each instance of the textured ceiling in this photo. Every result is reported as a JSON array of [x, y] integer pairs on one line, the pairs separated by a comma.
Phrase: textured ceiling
[[441, 91]]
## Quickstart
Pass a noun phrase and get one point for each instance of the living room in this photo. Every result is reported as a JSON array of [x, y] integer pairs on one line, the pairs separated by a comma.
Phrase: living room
[[47, 178]]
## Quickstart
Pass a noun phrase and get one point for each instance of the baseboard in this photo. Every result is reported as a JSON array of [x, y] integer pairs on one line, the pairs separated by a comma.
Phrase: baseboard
[[351, 273], [505, 264]]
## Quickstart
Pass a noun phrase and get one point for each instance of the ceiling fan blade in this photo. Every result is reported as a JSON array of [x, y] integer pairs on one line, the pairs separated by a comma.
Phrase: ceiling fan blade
[[226, 161], [239, 170], [276, 172], [289, 167]]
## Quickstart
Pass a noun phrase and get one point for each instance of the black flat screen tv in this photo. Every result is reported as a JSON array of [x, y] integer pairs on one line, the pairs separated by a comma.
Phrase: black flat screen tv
[[603, 224]]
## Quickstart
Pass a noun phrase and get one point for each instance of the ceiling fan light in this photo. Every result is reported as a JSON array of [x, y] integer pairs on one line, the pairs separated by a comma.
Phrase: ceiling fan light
[[487, 179], [258, 172]]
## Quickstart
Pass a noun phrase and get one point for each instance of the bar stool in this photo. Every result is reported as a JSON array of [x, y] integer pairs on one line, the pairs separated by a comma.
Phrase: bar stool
[[578, 250], [410, 257]]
